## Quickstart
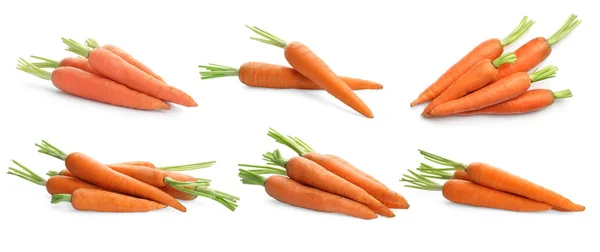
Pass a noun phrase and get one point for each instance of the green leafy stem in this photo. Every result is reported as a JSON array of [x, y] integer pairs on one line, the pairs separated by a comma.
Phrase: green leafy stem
[[216, 71]]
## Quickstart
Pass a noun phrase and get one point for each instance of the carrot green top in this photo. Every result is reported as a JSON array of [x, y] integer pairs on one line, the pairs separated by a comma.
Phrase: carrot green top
[[562, 94], [26, 174], [46, 63], [517, 32], [92, 43], [545, 73], [419, 181], [61, 197], [77, 48], [251, 178], [264, 169], [267, 37], [216, 71], [30, 68], [294, 143], [567, 27], [505, 58]]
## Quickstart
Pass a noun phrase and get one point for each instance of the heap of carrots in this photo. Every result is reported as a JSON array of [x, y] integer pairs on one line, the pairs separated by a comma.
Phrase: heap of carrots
[[486, 81], [321, 182], [483, 185], [136, 186], [109, 75], [308, 71]]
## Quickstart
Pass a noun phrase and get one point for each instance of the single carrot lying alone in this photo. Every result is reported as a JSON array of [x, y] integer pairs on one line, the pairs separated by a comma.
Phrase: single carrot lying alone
[[306, 62], [530, 101], [83, 84], [81, 63], [489, 49], [55, 184], [291, 192], [105, 201], [502, 90], [536, 50], [265, 75]]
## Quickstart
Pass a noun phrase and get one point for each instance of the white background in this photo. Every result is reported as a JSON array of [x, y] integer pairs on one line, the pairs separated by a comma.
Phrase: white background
[[404, 46]]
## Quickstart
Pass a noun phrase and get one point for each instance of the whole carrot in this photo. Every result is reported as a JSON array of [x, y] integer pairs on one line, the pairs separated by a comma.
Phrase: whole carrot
[[306, 62], [265, 75], [117, 69], [489, 49], [502, 90], [105, 201], [83, 84], [291, 192], [81, 63], [530, 101], [536, 50], [54, 185]]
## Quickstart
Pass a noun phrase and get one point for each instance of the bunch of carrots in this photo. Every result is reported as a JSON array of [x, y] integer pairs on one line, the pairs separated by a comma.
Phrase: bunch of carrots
[[321, 182], [109, 75], [135, 186], [486, 81], [483, 185], [308, 71]]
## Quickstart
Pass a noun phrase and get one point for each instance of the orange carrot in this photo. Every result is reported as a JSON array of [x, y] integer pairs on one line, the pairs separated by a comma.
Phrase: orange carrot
[[265, 75], [536, 50], [498, 179], [291, 192], [502, 90], [477, 77], [54, 185], [104, 201], [140, 163], [530, 101], [117, 69], [306, 62], [489, 49], [83, 84], [81, 63]]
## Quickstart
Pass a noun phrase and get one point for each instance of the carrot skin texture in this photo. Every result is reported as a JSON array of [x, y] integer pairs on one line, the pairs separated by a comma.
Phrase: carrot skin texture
[[259, 74], [80, 83], [291, 192], [114, 67], [81, 63], [153, 177], [105, 201], [131, 60], [489, 49], [67, 185], [528, 55], [498, 179], [92, 171], [469, 193], [310, 65], [530, 101], [460, 174]]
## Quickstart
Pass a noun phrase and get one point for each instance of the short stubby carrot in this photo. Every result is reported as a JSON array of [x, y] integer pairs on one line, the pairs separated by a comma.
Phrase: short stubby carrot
[[477, 77], [265, 75], [54, 185], [489, 49], [536, 50], [530, 101], [83, 84], [306, 62], [501, 90], [105, 201], [76, 62], [291, 192]]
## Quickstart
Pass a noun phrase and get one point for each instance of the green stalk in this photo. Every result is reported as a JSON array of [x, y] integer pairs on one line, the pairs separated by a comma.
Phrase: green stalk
[[567, 27], [517, 32], [187, 167], [251, 178], [57, 198], [29, 68], [418, 181], [275, 158], [52, 173], [562, 94], [443, 161], [287, 141], [216, 71], [545, 73], [92, 43], [26, 173], [74, 47], [46, 63], [201, 190], [266, 37], [264, 169], [51, 150], [505, 58]]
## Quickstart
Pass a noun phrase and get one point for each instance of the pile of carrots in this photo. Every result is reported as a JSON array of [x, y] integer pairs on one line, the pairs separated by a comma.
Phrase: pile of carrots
[[486, 81], [321, 182], [109, 75], [135, 186], [308, 71], [483, 185]]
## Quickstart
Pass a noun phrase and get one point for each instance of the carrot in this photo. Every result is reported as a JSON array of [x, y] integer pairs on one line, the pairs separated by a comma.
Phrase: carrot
[[265, 75], [312, 174], [117, 69], [104, 201], [81, 63], [477, 77], [502, 90], [89, 86], [495, 178], [288, 191], [489, 49], [91, 43], [536, 50], [54, 185], [306, 62], [377, 190], [530, 101], [439, 173], [469, 193], [141, 163]]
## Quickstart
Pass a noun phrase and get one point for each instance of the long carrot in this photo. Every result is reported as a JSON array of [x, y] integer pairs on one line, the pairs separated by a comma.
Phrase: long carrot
[[536, 50], [376, 189], [489, 49], [469, 193], [291, 192], [80, 83], [105, 201], [54, 185], [495, 178], [477, 77], [117, 69], [502, 90], [81, 63], [265, 75], [306, 62], [530, 101]]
